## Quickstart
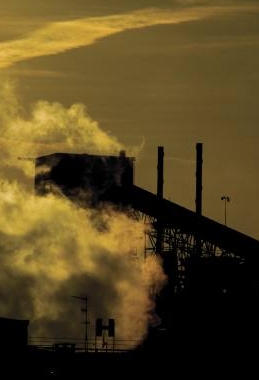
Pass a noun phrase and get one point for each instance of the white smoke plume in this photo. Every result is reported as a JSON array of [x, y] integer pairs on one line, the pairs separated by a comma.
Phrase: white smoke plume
[[50, 127], [51, 249]]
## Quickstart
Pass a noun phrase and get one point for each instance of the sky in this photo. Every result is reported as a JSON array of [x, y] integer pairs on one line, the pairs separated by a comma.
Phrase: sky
[[97, 76], [150, 73]]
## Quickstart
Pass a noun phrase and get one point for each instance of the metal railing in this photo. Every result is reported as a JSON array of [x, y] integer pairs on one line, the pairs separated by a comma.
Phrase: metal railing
[[78, 344]]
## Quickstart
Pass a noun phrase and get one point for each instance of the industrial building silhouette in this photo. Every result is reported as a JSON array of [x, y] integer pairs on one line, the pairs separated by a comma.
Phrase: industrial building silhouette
[[210, 299]]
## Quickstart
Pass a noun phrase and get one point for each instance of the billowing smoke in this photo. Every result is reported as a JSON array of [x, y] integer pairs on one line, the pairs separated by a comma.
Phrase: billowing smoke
[[51, 249], [48, 128]]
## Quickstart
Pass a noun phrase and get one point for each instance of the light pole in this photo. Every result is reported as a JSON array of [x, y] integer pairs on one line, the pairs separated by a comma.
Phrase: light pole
[[225, 199]]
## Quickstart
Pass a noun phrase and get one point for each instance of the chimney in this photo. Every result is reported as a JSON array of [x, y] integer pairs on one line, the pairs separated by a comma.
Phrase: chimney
[[160, 171], [198, 178], [160, 184]]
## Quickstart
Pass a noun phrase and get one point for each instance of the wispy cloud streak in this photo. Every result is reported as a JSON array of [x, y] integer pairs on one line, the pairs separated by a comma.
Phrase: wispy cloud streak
[[58, 37]]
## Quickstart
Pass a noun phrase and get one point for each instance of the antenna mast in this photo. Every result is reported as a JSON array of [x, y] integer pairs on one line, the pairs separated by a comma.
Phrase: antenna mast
[[84, 310]]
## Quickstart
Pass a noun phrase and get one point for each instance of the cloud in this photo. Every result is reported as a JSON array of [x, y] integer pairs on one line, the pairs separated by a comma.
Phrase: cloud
[[22, 72], [58, 37]]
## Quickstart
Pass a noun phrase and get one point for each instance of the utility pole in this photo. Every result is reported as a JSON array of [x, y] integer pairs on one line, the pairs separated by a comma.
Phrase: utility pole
[[226, 199], [84, 310]]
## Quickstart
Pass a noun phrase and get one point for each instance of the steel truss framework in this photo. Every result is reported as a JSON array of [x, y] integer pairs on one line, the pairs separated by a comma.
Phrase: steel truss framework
[[181, 246]]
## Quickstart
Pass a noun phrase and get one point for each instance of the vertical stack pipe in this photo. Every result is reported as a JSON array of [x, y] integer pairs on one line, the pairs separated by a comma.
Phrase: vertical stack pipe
[[198, 199], [160, 186], [198, 178]]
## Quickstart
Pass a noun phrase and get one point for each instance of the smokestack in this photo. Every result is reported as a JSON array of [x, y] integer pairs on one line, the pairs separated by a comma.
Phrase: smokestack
[[160, 171], [160, 185], [198, 178]]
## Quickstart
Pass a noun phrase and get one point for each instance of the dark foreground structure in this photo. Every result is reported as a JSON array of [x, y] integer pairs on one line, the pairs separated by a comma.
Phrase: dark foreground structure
[[209, 307]]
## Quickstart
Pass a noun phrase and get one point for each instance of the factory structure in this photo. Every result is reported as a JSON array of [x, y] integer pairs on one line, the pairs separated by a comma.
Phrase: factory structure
[[211, 268], [211, 295]]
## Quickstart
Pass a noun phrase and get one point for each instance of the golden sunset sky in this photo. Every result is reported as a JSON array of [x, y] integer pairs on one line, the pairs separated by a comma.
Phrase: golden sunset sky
[[151, 72]]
